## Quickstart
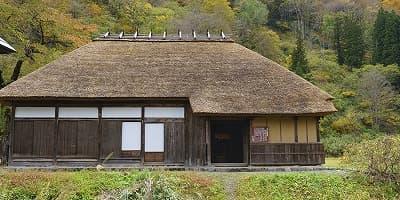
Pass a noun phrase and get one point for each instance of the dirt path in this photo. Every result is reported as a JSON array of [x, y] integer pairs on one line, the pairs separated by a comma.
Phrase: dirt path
[[230, 184]]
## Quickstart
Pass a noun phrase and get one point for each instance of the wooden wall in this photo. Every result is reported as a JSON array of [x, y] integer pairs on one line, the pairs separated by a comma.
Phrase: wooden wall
[[287, 129], [78, 138], [287, 154], [34, 138], [94, 139], [195, 139]]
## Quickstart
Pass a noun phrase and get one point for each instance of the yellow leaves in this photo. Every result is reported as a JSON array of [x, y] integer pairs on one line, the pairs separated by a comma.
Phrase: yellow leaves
[[391, 4], [94, 9], [349, 93], [347, 124]]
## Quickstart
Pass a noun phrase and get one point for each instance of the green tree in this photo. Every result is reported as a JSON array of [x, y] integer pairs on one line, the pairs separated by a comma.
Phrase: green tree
[[379, 30], [338, 37], [251, 14], [299, 61], [353, 42], [266, 42], [386, 38], [349, 42]]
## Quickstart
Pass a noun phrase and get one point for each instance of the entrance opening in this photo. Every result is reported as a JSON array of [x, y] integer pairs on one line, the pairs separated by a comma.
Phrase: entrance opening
[[227, 138]]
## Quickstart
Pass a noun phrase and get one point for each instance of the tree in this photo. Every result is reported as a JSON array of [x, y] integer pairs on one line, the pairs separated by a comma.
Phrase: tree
[[386, 38], [266, 42], [376, 95], [251, 15], [299, 61], [353, 42], [349, 42], [338, 34], [379, 30]]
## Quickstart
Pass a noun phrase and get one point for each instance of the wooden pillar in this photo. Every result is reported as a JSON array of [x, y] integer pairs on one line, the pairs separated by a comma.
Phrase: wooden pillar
[[296, 134], [100, 133], [55, 140], [142, 153], [318, 133], [208, 140]]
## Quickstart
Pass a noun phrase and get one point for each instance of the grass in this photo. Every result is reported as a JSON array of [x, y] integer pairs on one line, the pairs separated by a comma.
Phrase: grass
[[332, 162], [108, 185], [88, 184], [308, 185]]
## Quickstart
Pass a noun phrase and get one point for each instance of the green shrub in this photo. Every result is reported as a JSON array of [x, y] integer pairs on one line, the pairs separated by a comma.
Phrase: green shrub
[[335, 145], [378, 158]]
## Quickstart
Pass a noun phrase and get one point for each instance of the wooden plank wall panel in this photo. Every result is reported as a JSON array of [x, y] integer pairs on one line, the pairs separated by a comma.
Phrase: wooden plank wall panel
[[287, 153], [67, 138], [111, 141], [87, 144], [43, 139], [23, 138], [33, 138], [174, 142], [77, 138], [195, 139]]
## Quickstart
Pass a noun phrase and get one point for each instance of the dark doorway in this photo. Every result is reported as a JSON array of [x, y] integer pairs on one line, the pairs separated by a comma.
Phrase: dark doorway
[[227, 138]]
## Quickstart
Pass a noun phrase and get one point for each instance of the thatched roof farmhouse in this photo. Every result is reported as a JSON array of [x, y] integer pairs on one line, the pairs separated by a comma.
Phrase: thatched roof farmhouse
[[195, 102]]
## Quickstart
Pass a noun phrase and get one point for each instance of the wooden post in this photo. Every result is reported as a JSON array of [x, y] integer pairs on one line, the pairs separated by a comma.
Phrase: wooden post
[[318, 133], [208, 139], [296, 134], [142, 153], [55, 136], [100, 132]]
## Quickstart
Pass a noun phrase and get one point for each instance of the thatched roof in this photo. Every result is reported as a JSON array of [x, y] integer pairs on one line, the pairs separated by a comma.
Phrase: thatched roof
[[216, 77]]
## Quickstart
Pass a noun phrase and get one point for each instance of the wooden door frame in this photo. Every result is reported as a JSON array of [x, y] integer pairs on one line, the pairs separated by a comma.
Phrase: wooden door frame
[[245, 140]]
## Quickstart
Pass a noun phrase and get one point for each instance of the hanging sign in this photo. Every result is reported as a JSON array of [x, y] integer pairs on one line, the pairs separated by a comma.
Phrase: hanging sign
[[259, 135]]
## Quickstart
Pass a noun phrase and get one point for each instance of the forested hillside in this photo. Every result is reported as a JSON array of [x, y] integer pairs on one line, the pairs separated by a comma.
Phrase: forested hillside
[[349, 48]]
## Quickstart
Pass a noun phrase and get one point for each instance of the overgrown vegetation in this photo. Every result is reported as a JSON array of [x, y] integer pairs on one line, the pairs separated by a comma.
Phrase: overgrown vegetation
[[313, 186], [378, 158], [108, 185]]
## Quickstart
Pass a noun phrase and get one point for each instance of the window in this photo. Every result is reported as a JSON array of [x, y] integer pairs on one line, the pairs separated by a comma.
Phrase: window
[[122, 112], [78, 112], [164, 112], [154, 137], [131, 136], [35, 112]]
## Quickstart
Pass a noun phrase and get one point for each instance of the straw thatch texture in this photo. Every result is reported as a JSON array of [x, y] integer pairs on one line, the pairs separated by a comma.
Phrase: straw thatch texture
[[216, 77]]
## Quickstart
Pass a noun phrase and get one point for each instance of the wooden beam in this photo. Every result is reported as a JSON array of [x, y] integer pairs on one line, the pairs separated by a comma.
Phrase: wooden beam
[[208, 141], [100, 133], [142, 138], [296, 134], [55, 139], [318, 132]]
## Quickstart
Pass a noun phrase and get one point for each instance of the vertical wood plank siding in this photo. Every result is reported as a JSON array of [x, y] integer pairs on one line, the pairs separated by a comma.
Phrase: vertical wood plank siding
[[195, 139], [287, 154], [78, 138], [111, 140], [34, 138], [174, 142]]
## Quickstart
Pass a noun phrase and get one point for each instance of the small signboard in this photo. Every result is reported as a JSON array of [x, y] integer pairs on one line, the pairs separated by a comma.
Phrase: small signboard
[[259, 135]]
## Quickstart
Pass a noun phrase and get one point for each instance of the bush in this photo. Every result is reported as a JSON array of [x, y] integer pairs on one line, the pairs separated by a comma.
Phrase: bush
[[378, 158], [335, 145]]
